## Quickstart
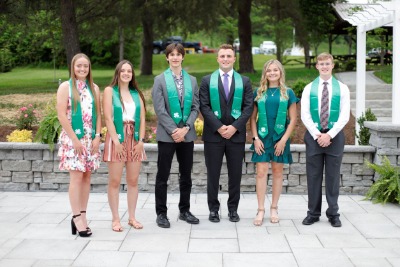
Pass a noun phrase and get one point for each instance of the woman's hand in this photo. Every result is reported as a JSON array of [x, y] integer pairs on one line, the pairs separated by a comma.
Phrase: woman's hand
[[95, 145], [79, 149], [120, 150], [259, 147], [138, 151], [280, 147]]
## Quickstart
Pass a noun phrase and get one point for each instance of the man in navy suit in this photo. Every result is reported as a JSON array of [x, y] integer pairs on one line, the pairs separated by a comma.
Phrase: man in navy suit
[[226, 103]]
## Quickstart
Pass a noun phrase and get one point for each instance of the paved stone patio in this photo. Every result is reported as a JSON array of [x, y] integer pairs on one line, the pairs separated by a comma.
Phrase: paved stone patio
[[35, 231]]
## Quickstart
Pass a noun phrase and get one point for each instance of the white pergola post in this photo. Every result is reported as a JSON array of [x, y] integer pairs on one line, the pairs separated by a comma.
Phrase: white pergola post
[[360, 77], [396, 64]]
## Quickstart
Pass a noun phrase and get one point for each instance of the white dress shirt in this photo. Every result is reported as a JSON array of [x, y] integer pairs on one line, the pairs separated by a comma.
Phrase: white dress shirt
[[230, 75], [344, 114]]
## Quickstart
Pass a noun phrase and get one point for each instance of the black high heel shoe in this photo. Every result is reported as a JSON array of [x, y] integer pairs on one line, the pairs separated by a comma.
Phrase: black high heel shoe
[[87, 228], [74, 229]]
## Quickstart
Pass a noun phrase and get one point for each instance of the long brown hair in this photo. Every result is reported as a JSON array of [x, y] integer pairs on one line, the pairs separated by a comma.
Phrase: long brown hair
[[89, 78], [264, 84], [133, 85]]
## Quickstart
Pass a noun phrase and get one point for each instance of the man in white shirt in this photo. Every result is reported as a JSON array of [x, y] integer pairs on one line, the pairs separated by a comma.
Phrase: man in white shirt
[[325, 110]]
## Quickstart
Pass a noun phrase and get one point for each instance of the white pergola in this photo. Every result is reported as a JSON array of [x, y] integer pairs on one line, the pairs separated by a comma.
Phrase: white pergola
[[367, 17]]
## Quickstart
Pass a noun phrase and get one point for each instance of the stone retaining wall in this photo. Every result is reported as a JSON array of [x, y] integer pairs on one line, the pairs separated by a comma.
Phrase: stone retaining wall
[[32, 167]]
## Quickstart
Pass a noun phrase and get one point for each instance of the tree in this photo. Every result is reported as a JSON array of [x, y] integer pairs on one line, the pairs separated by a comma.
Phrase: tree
[[244, 29]]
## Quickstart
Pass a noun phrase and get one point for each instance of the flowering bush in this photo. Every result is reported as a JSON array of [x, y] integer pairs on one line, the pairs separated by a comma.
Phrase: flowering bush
[[24, 136], [198, 126], [151, 134], [27, 117]]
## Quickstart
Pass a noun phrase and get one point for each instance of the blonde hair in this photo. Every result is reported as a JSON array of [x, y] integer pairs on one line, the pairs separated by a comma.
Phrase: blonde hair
[[89, 78], [324, 56], [264, 84]]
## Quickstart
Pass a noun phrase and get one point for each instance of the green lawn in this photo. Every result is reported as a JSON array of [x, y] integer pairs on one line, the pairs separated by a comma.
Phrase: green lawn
[[30, 80]]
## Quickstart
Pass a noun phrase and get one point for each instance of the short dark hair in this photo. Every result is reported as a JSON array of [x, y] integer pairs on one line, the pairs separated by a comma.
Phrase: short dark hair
[[226, 46], [179, 47]]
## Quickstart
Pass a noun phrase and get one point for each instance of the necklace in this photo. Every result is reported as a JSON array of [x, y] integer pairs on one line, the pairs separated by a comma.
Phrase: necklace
[[272, 94]]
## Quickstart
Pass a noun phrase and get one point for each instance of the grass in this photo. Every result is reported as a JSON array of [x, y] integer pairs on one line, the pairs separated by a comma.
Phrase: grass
[[31, 80]]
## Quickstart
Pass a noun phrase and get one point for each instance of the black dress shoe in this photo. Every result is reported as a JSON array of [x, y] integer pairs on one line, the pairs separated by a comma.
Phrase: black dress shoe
[[233, 216], [188, 217], [335, 222], [310, 220], [214, 216], [162, 221]]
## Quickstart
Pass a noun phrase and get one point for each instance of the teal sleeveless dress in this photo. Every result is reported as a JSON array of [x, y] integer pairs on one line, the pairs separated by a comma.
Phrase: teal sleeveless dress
[[271, 106]]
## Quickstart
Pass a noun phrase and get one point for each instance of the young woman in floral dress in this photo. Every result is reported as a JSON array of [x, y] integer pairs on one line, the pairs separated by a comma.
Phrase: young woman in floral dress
[[78, 109]]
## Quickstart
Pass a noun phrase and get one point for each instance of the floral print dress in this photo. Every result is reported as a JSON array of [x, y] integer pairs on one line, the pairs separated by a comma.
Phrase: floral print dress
[[87, 161]]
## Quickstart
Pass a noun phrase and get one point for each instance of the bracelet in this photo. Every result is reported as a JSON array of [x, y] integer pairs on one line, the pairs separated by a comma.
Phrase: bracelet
[[256, 138]]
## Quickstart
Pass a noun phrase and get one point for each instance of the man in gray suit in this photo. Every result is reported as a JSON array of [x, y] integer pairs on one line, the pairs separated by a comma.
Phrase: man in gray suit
[[325, 110], [176, 103]]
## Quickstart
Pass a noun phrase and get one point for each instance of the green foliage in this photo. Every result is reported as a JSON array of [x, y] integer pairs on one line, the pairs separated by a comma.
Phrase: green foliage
[[6, 60], [350, 65], [364, 134], [298, 87], [387, 187], [49, 127], [26, 117]]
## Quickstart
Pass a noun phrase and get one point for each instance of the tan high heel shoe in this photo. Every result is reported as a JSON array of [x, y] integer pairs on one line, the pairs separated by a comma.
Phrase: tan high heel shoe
[[274, 219], [258, 222]]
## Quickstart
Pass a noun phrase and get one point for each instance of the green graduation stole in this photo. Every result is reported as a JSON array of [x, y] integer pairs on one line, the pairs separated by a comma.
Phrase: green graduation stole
[[334, 105], [262, 116], [118, 118], [237, 96], [173, 96], [76, 115]]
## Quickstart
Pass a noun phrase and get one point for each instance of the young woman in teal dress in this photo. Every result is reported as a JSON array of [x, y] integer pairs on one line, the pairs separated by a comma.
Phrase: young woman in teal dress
[[272, 123]]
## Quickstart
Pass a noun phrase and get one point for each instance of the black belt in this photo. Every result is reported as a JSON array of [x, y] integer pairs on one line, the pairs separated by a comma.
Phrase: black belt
[[324, 130]]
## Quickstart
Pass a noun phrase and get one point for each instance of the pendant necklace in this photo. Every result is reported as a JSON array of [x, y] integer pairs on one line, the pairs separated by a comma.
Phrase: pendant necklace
[[272, 94]]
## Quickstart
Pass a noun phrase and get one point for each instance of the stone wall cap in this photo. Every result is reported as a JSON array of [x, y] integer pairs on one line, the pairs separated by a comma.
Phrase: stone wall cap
[[382, 126]]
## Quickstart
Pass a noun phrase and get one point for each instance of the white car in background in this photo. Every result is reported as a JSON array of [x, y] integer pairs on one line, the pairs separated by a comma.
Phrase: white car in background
[[268, 48]]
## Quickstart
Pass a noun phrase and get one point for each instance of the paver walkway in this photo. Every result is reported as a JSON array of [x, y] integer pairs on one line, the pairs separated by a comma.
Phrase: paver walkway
[[35, 231]]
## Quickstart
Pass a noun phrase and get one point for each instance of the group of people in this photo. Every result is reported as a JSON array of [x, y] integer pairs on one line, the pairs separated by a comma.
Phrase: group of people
[[226, 102]]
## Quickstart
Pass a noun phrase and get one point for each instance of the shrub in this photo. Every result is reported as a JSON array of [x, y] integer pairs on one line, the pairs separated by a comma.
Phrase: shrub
[[298, 87], [27, 117], [24, 136], [364, 134], [349, 65], [49, 127], [387, 187], [6, 60], [198, 126]]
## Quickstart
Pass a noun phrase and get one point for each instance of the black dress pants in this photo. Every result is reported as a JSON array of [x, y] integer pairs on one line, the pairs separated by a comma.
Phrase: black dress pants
[[214, 153], [184, 154]]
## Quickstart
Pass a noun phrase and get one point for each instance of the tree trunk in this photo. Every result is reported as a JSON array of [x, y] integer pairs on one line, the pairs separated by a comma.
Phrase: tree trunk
[[121, 42], [69, 29], [146, 65], [244, 28]]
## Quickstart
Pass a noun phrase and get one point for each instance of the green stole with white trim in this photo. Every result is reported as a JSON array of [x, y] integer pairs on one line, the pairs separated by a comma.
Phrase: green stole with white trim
[[237, 96], [76, 115], [173, 97], [334, 105], [280, 121], [118, 117]]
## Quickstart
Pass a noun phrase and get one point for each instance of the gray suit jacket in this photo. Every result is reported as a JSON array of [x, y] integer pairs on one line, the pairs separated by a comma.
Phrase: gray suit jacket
[[165, 124]]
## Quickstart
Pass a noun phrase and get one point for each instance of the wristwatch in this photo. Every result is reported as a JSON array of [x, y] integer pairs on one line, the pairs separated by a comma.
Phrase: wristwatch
[[255, 138], [141, 140], [98, 135], [187, 126]]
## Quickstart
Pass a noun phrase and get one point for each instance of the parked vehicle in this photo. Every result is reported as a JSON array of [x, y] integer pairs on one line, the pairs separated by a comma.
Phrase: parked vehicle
[[160, 45], [267, 48], [236, 44]]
